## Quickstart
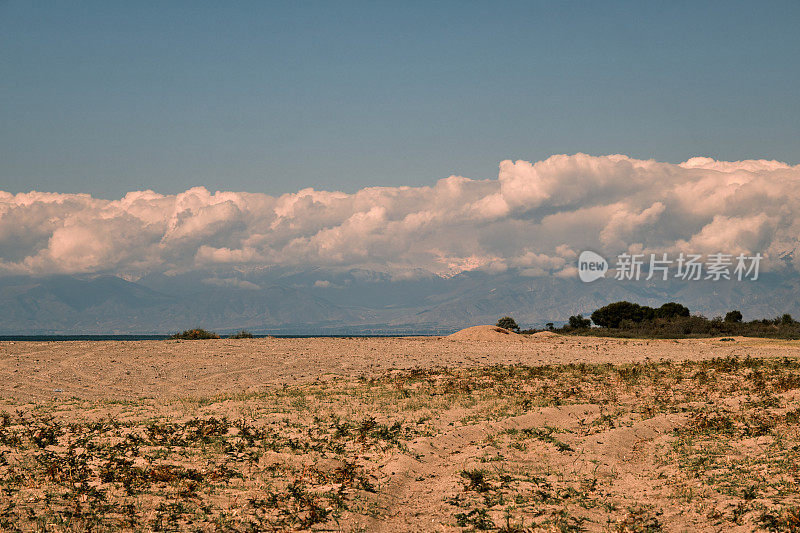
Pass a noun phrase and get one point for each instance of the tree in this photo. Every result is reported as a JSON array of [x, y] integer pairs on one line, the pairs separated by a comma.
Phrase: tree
[[549, 326], [787, 319], [578, 322], [508, 323], [613, 314], [672, 310], [733, 316]]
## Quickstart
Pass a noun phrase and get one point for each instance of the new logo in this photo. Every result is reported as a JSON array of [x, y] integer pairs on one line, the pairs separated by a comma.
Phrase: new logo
[[591, 266]]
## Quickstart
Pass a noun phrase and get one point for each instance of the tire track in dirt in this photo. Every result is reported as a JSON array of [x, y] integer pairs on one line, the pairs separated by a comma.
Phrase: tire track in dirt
[[416, 483], [109, 369]]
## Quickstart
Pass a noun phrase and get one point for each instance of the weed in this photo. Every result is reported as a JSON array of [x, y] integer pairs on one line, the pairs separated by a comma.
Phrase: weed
[[477, 519], [476, 480]]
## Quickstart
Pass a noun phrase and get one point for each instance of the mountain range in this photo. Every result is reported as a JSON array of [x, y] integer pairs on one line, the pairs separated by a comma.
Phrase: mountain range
[[352, 301]]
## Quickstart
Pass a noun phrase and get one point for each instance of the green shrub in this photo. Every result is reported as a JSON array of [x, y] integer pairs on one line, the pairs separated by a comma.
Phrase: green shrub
[[578, 322], [242, 335], [195, 334], [508, 323]]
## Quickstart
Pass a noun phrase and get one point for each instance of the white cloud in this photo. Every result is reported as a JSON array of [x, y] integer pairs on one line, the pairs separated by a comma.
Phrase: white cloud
[[534, 217]]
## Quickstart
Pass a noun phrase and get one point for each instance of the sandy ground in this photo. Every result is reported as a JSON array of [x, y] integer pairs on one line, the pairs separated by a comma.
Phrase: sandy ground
[[401, 434], [169, 369]]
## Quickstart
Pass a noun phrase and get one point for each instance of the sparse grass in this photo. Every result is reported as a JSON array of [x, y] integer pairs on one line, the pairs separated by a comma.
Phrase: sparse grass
[[510, 448], [107, 474], [544, 434]]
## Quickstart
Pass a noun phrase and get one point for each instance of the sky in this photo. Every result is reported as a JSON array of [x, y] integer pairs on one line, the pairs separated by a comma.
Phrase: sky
[[153, 137], [104, 98]]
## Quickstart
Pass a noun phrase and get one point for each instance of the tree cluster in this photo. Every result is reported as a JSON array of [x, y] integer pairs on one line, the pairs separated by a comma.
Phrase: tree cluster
[[618, 314], [671, 320]]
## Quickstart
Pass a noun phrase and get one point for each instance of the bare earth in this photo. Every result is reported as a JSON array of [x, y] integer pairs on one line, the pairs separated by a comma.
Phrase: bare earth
[[175, 369], [401, 434]]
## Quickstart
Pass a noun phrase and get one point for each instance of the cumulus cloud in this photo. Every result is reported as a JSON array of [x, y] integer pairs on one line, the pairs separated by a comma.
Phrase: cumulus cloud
[[535, 217]]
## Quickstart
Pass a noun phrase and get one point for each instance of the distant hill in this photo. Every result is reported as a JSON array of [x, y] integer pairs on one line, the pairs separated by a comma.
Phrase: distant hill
[[316, 301], [106, 304]]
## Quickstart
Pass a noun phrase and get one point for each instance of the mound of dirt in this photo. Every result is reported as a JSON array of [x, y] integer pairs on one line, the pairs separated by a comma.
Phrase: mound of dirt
[[485, 333], [544, 335]]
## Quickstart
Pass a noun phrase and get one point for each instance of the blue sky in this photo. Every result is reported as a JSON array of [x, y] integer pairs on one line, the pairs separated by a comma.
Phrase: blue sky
[[109, 97]]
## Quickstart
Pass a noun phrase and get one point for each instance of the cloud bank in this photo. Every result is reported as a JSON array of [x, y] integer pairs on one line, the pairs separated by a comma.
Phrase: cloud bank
[[535, 217]]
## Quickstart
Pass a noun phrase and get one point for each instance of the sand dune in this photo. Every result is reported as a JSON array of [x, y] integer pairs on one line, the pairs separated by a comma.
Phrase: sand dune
[[485, 333]]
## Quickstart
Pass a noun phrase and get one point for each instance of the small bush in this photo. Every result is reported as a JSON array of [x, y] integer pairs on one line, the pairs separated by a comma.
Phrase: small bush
[[242, 335], [476, 480], [508, 323], [195, 334]]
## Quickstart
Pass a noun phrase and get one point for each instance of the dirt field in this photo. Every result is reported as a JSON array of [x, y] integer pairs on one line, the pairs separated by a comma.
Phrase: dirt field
[[401, 434]]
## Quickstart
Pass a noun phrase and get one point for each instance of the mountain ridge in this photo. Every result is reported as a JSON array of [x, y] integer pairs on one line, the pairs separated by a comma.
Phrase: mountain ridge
[[342, 301]]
